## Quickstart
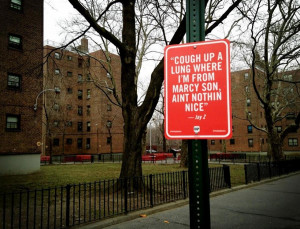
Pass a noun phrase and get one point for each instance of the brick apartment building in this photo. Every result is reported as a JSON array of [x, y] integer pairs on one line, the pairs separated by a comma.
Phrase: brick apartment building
[[81, 115], [244, 102], [21, 55]]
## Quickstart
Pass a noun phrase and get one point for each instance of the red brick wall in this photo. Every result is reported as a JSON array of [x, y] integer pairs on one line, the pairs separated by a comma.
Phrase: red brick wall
[[98, 102], [27, 62], [240, 122]]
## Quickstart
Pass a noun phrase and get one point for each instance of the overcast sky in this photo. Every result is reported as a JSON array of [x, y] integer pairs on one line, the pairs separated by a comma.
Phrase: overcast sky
[[55, 12]]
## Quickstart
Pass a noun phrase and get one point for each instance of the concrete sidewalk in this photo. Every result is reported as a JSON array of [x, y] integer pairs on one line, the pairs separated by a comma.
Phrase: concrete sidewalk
[[271, 205]]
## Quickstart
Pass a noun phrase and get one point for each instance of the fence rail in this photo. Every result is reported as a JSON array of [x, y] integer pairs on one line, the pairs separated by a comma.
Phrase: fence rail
[[103, 158], [61, 207], [244, 158], [260, 171]]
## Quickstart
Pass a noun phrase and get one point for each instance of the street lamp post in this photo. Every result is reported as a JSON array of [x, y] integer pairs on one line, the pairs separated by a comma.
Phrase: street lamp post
[[35, 106], [56, 90], [97, 139]]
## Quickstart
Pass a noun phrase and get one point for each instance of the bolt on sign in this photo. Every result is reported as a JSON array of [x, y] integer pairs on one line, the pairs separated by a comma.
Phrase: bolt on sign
[[197, 90]]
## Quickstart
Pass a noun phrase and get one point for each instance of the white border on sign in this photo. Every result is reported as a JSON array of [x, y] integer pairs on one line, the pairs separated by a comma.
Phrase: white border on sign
[[228, 92]]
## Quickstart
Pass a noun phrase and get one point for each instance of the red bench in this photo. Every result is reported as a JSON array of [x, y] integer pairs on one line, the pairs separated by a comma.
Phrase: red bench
[[45, 159], [82, 158]]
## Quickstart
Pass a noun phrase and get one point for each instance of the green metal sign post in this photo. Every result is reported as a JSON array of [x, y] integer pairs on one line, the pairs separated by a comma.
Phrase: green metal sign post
[[197, 149]]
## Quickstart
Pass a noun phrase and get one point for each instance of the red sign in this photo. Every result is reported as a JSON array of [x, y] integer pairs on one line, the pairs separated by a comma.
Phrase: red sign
[[197, 90]]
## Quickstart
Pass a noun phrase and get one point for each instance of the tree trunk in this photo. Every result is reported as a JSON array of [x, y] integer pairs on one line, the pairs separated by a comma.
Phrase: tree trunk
[[164, 141], [275, 147], [133, 145]]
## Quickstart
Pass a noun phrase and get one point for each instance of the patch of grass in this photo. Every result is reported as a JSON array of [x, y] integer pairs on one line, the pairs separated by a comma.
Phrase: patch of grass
[[237, 174], [61, 175]]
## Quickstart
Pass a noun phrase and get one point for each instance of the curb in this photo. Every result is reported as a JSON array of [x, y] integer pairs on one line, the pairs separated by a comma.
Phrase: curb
[[179, 203]]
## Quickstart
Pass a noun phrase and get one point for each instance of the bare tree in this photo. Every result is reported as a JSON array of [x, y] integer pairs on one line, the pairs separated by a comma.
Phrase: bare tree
[[124, 32], [275, 50]]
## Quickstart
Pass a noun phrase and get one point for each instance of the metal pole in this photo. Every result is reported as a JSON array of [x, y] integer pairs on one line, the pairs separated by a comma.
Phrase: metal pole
[[197, 149]]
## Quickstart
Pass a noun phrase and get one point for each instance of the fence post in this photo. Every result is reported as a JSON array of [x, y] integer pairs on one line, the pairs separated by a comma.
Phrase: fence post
[[258, 171], [126, 194], [226, 170], [270, 170], [68, 188], [151, 191], [246, 174], [184, 184]]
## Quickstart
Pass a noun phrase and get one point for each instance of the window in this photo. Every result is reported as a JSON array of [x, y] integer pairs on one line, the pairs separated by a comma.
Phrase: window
[[262, 140], [16, 4], [15, 41], [246, 76], [250, 142], [291, 116], [79, 78], [288, 77], [69, 74], [69, 123], [108, 140], [88, 126], [79, 94], [69, 141], [13, 81], [212, 142], [79, 112], [108, 107], [248, 102], [69, 57], [247, 89], [279, 129], [80, 62], [250, 129], [55, 141], [70, 91], [79, 143], [88, 109], [12, 122], [79, 126], [88, 143], [109, 124], [56, 71], [88, 93], [69, 106], [232, 141], [88, 77], [293, 141], [57, 55], [56, 106], [57, 90]]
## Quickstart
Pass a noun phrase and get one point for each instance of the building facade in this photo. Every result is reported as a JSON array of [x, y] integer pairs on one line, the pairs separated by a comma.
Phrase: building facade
[[246, 138], [21, 56], [82, 114]]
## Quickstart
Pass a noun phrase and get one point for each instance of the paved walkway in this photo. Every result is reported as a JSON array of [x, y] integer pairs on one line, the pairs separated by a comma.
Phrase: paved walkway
[[270, 205]]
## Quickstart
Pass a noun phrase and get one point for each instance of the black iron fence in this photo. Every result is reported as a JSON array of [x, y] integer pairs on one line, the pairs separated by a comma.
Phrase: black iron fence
[[102, 158], [244, 158], [97, 158], [70, 205], [260, 171]]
